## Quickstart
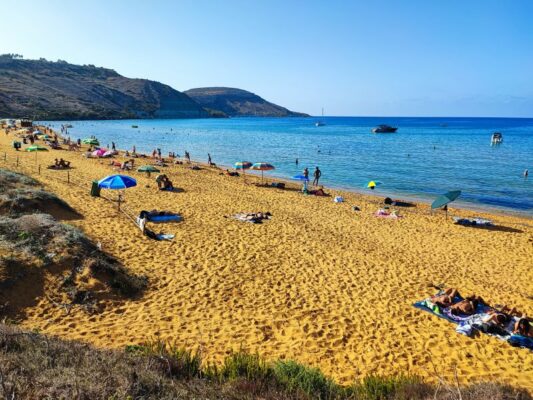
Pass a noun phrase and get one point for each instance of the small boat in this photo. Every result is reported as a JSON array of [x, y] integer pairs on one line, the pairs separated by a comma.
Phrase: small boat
[[384, 129], [496, 138], [135, 126], [321, 123]]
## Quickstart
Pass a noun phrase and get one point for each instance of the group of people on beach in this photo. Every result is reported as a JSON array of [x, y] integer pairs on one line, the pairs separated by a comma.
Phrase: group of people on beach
[[163, 182], [494, 320]]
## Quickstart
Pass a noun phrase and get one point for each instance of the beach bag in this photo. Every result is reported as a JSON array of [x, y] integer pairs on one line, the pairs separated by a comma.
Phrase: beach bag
[[338, 199]]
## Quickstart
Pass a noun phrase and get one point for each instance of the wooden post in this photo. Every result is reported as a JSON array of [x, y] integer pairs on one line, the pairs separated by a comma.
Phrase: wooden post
[[68, 176], [5, 156], [17, 161], [39, 169]]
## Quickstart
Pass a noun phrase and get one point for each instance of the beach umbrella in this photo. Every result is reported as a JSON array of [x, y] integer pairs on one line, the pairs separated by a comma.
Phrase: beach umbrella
[[36, 147], [243, 165], [262, 166], [444, 199], [372, 184], [148, 169], [91, 141], [117, 182]]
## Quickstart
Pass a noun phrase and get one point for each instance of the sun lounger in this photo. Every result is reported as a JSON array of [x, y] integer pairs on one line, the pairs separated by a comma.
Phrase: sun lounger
[[473, 221]]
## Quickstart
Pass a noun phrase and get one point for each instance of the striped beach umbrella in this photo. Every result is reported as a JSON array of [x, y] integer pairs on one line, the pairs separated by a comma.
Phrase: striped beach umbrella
[[262, 166], [243, 165]]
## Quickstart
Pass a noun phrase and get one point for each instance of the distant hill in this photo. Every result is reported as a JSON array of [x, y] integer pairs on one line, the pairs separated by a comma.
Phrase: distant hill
[[43, 89], [238, 103]]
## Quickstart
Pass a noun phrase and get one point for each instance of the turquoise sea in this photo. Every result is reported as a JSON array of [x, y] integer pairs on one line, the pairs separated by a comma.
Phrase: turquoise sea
[[426, 157]]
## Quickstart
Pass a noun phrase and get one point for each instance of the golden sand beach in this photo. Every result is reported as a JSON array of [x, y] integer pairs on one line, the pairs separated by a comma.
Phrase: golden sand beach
[[318, 283]]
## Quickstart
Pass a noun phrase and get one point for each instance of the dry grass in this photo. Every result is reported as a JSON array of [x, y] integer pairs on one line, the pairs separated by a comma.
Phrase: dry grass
[[35, 245], [35, 366]]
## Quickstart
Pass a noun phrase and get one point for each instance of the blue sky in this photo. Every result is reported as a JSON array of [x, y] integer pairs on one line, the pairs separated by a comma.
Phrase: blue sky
[[380, 57]]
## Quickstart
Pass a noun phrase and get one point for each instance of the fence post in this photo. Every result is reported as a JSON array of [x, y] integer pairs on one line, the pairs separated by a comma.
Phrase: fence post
[[5, 156], [39, 169], [68, 176], [17, 161]]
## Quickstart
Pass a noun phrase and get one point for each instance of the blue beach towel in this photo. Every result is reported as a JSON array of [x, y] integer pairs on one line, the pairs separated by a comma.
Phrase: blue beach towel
[[469, 324], [164, 218]]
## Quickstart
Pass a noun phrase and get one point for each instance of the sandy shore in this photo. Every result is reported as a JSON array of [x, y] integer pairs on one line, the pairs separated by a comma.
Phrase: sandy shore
[[319, 283]]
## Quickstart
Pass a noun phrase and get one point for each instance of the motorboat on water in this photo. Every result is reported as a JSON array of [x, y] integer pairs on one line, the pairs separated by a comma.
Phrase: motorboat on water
[[496, 138], [384, 129]]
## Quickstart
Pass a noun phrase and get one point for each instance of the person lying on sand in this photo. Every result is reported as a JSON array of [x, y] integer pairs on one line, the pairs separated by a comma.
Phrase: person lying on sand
[[445, 299], [467, 306], [494, 322], [522, 327], [231, 173], [63, 164]]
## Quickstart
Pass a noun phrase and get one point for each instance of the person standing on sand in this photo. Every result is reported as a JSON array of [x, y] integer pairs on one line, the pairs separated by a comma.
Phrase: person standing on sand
[[159, 153], [209, 161], [113, 147], [133, 150], [306, 173], [317, 174]]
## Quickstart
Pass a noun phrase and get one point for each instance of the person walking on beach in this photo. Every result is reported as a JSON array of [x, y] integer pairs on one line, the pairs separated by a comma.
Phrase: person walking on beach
[[159, 153], [317, 174], [113, 146], [306, 173], [133, 150], [209, 161]]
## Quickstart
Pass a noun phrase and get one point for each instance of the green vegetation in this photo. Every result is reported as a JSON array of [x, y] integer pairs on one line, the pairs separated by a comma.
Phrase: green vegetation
[[34, 366], [34, 244]]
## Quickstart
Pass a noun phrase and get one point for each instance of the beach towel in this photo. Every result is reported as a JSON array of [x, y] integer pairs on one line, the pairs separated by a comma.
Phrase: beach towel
[[338, 199], [520, 341], [252, 218], [382, 213], [469, 325], [164, 218], [473, 221]]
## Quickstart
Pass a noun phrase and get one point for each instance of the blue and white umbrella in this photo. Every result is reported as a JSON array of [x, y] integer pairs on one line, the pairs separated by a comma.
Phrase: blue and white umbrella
[[117, 182]]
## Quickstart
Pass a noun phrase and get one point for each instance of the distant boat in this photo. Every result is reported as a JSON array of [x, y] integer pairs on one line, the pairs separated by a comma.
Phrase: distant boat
[[496, 138], [321, 123], [384, 129], [135, 126], [68, 126]]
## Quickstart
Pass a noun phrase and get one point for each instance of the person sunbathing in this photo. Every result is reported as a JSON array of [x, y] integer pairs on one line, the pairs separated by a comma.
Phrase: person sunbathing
[[522, 327], [445, 299], [231, 173], [467, 306], [494, 322], [167, 184], [63, 164]]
